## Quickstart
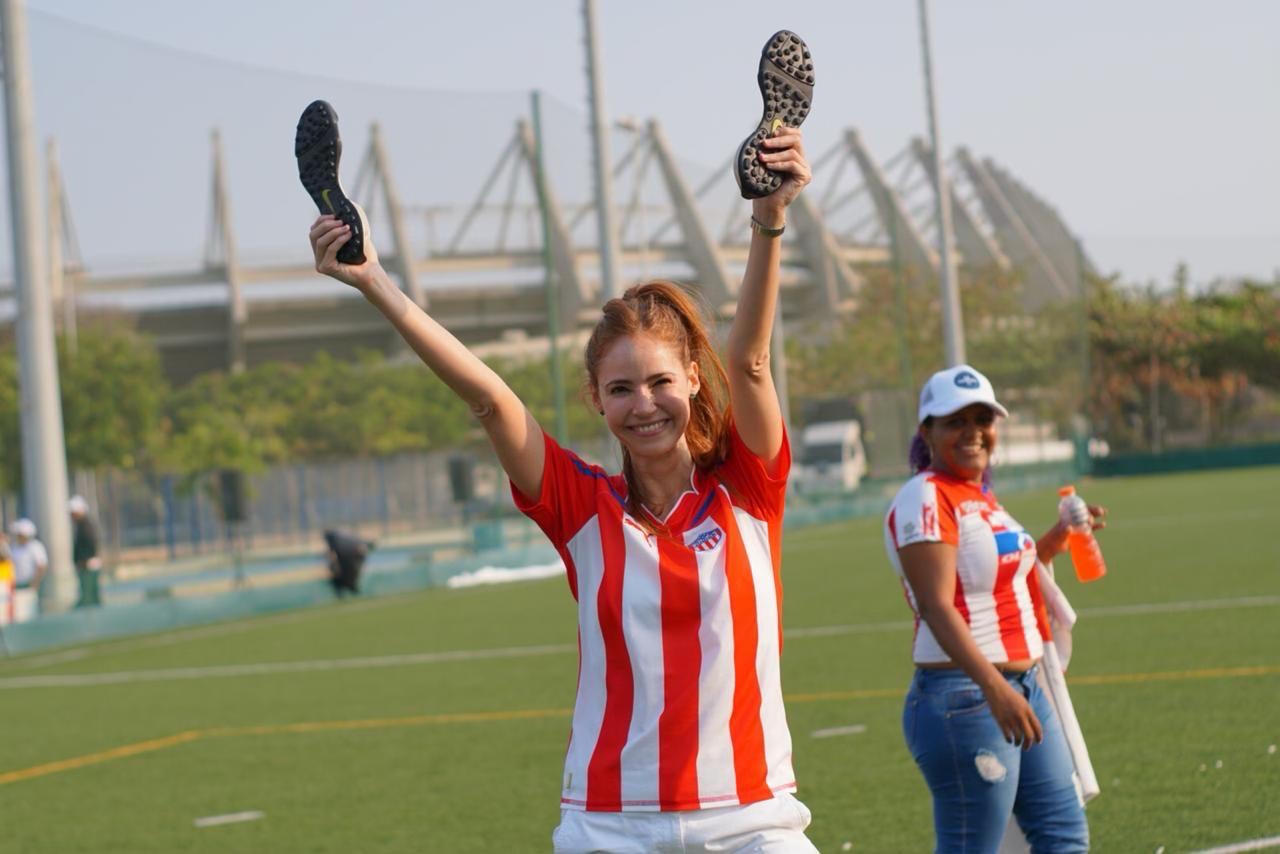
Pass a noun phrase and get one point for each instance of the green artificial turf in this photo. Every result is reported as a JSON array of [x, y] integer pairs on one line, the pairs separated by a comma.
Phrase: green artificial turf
[[464, 754]]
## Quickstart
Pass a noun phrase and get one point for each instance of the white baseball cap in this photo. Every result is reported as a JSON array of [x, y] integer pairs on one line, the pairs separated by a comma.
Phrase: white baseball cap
[[23, 528], [955, 388], [77, 504]]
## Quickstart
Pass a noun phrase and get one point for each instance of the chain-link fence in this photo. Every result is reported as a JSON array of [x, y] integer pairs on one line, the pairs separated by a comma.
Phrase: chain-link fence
[[455, 172]]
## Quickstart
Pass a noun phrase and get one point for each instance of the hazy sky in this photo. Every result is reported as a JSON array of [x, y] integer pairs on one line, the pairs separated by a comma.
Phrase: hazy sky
[[1153, 127]]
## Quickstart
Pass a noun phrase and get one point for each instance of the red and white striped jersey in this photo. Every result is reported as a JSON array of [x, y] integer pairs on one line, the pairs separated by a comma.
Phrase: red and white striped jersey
[[996, 588], [679, 702]]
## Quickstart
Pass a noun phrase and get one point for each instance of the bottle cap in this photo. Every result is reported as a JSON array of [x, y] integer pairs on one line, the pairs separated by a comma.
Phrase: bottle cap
[[1067, 490]]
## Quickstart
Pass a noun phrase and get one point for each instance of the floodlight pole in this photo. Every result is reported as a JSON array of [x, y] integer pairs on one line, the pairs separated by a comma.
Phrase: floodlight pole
[[552, 286], [605, 225], [952, 322], [44, 456]]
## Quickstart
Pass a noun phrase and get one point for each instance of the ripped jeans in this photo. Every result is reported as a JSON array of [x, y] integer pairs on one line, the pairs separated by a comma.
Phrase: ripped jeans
[[977, 778]]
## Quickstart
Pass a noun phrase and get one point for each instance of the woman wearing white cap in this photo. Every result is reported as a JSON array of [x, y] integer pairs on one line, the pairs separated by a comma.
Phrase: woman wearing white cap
[[976, 722]]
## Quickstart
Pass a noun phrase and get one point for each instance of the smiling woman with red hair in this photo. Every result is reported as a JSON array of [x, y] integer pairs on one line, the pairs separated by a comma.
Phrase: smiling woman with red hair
[[678, 728]]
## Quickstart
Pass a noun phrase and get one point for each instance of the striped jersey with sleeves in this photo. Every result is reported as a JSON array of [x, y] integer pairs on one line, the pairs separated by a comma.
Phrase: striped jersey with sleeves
[[679, 700], [997, 593]]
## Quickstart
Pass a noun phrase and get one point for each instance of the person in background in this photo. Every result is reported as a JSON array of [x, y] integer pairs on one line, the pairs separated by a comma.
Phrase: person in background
[[30, 563], [84, 552], [6, 582], [976, 720], [346, 558]]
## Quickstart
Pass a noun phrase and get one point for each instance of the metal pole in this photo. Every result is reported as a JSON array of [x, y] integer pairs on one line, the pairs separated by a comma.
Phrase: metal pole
[[44, 457], [552, 289], [952, 323], [905, 371], [605, 225], [61, 291], [405, 265], [237, 308], [1083, 461]]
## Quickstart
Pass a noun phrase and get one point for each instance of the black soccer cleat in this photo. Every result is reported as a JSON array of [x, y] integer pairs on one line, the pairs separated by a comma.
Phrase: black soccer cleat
[[318, 148], [786, 87]]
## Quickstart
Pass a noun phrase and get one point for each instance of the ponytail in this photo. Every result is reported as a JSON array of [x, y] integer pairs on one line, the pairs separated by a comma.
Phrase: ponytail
[[919, 457]]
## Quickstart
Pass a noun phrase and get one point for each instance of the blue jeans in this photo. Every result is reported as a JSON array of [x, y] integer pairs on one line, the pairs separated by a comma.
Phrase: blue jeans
[[977, 778]]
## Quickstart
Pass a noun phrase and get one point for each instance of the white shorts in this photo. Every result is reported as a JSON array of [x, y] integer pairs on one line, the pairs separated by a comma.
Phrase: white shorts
[[773, 826], [26, 605]]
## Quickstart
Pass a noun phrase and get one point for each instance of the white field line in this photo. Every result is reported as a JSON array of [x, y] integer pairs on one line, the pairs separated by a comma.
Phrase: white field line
[[169, 638], [1101, 611], [1247, 845], [229, 818], [75, 680], [851, 729], [854, 629], [72, 680], [1176, 607], [1181, 518]]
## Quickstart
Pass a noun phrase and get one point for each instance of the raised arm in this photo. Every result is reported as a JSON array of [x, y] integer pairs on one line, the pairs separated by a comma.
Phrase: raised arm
[[512, 430], [757, 413]]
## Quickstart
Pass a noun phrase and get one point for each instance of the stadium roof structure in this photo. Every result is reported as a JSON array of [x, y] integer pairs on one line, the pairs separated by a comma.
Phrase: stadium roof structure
[[482, 269]]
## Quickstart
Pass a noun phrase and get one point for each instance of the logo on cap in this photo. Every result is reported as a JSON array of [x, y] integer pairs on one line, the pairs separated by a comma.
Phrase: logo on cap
[[964, 379]]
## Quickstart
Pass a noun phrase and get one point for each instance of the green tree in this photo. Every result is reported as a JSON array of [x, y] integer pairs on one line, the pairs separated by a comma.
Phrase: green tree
[[113, 393], [370, 408], [531, 380], [1175, 356], [10, 424], [210, 428]]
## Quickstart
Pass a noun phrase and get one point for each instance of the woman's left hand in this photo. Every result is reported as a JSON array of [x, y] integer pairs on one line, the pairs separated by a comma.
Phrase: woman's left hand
[[783, 153], [1094, 518], [1054, 542]]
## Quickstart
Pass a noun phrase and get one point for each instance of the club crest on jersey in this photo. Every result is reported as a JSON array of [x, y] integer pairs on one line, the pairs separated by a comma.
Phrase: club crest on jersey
[[707, 540]]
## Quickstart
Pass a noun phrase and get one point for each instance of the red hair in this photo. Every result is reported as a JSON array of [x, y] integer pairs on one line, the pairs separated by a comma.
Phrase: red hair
[[667, 312]]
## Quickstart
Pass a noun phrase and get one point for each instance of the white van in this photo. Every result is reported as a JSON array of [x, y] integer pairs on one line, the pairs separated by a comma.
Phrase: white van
[[831, 458]]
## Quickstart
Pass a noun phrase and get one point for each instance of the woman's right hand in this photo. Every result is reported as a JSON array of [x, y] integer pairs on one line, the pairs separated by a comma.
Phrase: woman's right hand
[[328, 235], [1014, 715]]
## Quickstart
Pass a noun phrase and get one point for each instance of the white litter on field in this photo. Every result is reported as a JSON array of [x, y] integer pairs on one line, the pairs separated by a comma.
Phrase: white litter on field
[[498, 575], [229, 818], [1271, 749], [851, 729]]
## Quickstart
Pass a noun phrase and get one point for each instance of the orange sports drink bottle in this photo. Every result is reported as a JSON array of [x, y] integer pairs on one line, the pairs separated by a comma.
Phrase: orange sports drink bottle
[[1086, 555]]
